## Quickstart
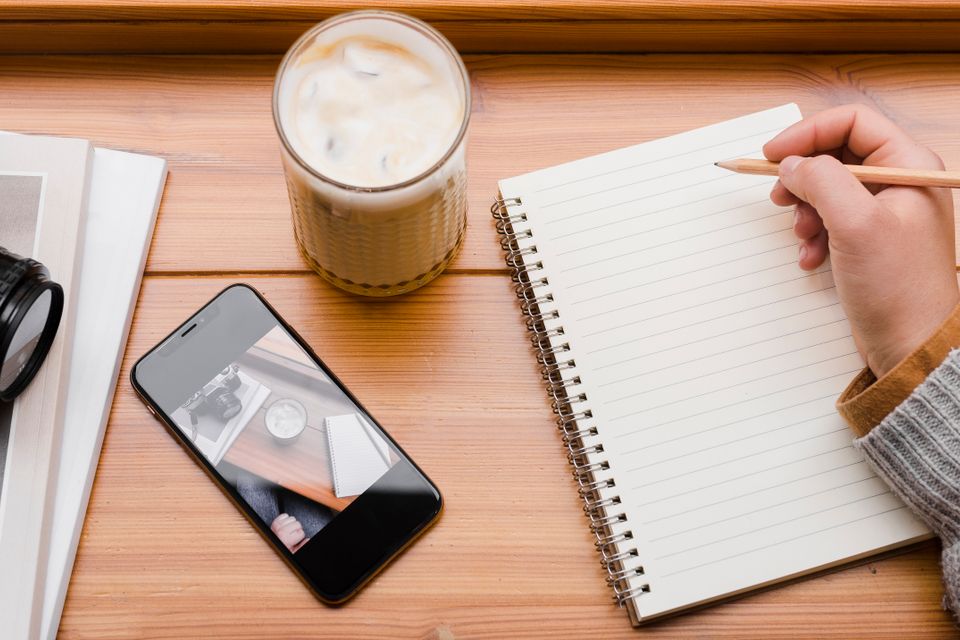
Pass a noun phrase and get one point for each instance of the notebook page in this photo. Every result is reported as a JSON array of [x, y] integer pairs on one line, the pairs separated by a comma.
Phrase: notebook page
[[711, 364], [357, 455]]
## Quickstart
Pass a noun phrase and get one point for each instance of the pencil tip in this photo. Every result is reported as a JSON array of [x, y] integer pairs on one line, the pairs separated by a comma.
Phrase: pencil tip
[[716, 164]]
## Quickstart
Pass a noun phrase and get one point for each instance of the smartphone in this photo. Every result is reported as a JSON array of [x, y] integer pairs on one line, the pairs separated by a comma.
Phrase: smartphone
[[288, 443]]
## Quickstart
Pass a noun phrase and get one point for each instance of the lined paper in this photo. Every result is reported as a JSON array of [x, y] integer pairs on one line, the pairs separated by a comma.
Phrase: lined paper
[[358, 456], [711, 364]]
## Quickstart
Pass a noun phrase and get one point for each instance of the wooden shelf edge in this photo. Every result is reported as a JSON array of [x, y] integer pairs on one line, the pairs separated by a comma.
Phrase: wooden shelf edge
[[577, 10], [494, 36]]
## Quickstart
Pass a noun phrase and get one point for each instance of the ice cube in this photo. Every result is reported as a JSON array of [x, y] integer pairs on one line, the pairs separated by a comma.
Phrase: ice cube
[[363, 59]]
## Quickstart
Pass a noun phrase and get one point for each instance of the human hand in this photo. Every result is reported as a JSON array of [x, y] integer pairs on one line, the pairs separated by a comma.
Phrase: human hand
[[290, 531], [891, 248]]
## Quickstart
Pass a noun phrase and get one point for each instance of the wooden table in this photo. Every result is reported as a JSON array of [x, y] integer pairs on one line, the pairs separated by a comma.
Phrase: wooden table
[[447, 369]]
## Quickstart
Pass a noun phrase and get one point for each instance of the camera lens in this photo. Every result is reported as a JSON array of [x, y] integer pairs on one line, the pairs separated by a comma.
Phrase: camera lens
[[225, 404], [30, 310], [25, 339]]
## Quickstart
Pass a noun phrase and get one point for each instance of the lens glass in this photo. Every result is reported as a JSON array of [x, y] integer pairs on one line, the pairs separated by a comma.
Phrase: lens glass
[[25, 339]]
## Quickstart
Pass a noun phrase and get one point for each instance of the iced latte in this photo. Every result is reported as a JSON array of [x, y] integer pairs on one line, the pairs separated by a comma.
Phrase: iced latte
[[372, 111]]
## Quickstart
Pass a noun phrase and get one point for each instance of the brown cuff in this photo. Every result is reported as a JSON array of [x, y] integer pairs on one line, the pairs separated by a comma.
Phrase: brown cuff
[[866, 401]]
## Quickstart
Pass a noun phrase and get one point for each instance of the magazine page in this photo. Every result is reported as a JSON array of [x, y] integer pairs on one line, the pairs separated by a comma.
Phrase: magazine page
[[21, 195], [45, 186]]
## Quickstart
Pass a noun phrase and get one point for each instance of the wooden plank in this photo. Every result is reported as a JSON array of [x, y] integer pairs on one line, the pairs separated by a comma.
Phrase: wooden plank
[[480, 9], [225, 206], [501, 36], [449, 372]]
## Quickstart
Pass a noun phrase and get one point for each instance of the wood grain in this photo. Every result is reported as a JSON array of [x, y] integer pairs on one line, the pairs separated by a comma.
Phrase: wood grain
[[448, 371], [475, 9], [225, 206], [507, 35], [252, 26]]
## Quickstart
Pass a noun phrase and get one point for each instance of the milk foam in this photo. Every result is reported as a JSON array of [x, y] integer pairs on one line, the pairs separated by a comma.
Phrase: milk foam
[[369, 113]]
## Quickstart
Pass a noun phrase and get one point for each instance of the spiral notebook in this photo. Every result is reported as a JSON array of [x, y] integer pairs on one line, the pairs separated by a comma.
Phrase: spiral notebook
[[694, 369], [358, 456]]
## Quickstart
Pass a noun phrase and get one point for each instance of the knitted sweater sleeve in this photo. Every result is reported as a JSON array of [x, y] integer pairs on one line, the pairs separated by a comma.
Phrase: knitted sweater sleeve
[[916, 450]]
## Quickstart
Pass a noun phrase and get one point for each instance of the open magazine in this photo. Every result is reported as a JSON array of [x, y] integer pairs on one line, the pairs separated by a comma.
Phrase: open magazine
[[43, 189], [21, 195], [45, 481]]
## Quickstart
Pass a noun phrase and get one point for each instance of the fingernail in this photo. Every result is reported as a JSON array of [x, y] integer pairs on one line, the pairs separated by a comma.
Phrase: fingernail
[[796, 217], [789, 164], [803, 252]]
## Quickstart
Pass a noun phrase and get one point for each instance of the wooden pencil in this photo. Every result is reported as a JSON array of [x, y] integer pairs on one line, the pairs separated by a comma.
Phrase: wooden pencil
[[871, 175]]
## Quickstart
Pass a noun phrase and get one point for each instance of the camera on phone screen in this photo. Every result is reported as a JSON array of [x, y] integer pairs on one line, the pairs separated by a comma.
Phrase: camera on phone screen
[[217, 398]]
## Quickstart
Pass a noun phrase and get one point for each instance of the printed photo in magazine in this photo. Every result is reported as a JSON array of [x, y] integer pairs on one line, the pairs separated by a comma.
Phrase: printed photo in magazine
[[21, 196]]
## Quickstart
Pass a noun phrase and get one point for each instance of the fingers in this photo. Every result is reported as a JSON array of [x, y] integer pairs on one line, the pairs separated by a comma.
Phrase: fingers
[[807, 226], [809, 229], [286, 526], [840, 200], [299, 545], [781, 196], [291, 531], [863, 132], [806, 222], [813, 251], [290, 524]]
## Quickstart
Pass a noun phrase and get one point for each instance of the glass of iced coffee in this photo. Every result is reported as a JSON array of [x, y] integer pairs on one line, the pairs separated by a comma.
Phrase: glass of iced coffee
[[372, 110]]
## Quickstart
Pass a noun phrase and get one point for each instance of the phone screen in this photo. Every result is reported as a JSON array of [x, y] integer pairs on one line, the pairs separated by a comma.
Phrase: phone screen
[[275, 426]]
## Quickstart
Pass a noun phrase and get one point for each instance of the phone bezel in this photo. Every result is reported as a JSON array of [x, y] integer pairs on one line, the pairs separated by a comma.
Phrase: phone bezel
[[310, 576]]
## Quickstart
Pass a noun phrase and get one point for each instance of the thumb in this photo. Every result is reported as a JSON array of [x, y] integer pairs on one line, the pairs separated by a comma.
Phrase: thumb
[[826, 184]]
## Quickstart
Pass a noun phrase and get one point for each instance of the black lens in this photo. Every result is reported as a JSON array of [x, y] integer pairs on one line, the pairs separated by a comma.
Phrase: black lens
[[25, 340], [225, 404], [30, 310]]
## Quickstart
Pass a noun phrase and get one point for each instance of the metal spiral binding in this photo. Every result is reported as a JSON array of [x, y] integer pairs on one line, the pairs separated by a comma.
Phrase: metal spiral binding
[[559, 371]]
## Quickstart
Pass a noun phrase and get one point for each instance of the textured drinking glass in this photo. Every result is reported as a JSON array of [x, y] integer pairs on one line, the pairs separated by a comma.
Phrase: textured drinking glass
[[380, 240]]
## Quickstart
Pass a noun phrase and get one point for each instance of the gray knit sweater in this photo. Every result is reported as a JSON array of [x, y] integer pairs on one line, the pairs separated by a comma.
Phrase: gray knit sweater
[[916, 450]]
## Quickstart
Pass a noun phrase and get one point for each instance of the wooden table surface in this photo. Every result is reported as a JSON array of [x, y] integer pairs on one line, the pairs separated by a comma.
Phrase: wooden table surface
[[447, 370], [270, 26]]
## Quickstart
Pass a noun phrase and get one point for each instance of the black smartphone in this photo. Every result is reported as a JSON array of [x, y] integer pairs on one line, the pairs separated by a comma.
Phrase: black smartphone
[[281, 435]]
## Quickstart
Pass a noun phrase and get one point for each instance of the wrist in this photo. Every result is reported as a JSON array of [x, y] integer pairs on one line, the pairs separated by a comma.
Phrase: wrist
[[883, 363], [869, 398], [915, 333]]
